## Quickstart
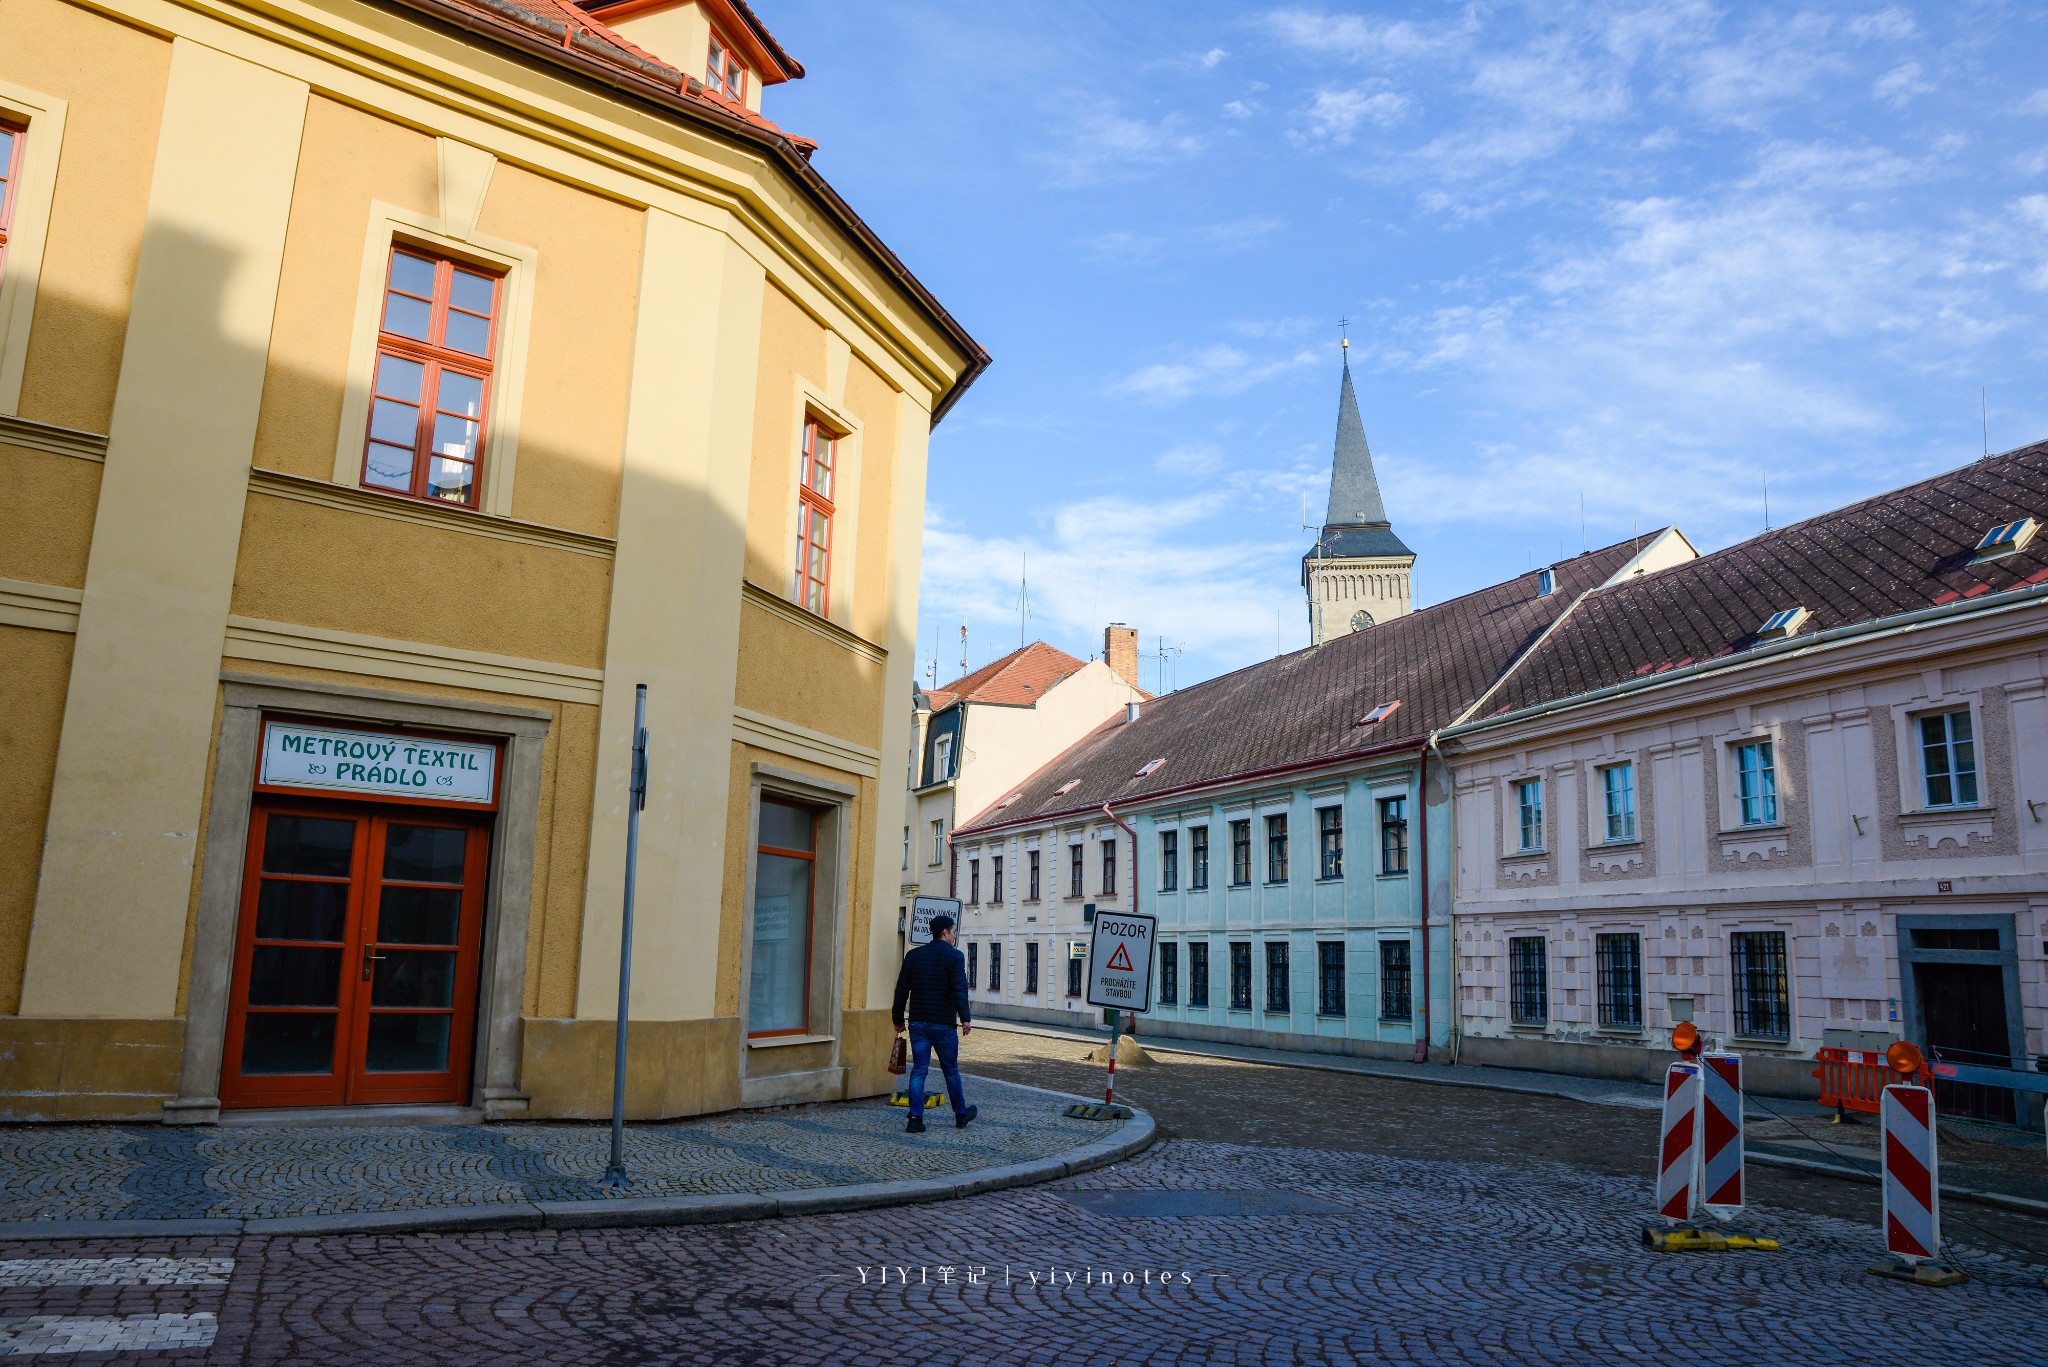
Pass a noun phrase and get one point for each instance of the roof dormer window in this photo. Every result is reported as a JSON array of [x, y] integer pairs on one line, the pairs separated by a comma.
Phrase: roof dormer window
[[724, 74], [1546, 583], [2007, 538], [1782, 624], [1148, 766], [1066, 787]]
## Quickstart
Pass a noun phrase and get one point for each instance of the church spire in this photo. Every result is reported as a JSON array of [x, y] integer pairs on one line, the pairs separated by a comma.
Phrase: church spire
[[1354, 487]]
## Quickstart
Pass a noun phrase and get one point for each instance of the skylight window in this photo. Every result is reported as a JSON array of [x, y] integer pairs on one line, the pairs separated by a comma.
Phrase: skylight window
[[2007, 538], [1379, 714], [1008, 800], [1546, 583], [1066, 787], [1782, 624], [1148, 766]]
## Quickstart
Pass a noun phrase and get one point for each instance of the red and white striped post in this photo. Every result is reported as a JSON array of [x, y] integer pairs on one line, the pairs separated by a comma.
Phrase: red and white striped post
[[1912, 1178], [1721, 1148], [1678, 1151]]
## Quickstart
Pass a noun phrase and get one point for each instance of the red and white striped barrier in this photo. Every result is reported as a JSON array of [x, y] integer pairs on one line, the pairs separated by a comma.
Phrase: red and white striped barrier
[[1912, 1190], [1721, 1150], [1678, 1156]]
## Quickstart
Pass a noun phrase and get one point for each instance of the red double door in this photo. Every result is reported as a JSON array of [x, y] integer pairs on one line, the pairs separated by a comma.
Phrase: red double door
[[356, 959]]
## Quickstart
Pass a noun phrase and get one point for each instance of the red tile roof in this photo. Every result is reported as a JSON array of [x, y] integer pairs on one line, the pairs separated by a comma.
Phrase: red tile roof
[[1018, 679], [1900, 551], [563, 35], [1303, 709]]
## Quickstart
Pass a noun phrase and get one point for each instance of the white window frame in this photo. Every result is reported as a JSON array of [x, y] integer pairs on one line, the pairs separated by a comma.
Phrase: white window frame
[[34, 194], [1919, 752], [1608, 814], [1771, 798], [1521, 789], [942, 758], [938, 843]]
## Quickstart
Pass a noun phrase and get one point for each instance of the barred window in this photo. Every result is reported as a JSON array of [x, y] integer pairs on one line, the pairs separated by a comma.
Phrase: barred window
[[1278, 997], [1031, 968], [1618, 966], [1330, 978], [1169, 861], [973, 964], [1073, 975], [995, 966], [1330, 842], [1169, 974], [1528, 980], [1240, 975], [1393, 835], [1198, 973], [1198, 859], [1395, 1001], [1763, 994]]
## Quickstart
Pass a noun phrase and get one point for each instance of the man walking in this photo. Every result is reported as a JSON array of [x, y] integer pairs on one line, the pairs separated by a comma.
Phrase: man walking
[[933, 984]]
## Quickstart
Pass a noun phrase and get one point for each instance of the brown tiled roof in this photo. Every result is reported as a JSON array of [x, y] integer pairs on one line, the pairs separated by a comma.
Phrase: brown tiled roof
[[563, 35], [1909, 549], [1302, 709], [1018, 679]]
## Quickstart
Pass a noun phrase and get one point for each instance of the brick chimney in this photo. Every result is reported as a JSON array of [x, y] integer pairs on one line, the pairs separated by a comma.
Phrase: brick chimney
[[1120, 651]]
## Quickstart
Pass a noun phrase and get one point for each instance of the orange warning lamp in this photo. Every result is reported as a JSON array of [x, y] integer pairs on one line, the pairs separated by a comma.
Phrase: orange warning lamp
[[1685, 1038], [1904, 1058]]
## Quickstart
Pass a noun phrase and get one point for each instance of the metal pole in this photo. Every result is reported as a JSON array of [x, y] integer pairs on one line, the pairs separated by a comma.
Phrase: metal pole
[[1109, 1088], [615, 1174]]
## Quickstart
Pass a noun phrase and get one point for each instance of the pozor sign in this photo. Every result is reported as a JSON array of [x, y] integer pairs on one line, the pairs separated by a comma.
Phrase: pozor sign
[[370, 762], [1120, 960]]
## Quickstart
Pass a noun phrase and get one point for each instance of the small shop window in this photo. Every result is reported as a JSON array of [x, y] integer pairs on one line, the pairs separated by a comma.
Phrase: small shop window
[[785, 894]]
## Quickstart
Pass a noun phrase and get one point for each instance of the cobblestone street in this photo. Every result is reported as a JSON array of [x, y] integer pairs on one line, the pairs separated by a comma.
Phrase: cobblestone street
[[1288, 1217]]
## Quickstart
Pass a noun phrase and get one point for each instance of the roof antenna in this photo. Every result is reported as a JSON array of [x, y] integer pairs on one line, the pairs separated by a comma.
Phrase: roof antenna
[[1767, 498], [1023, 598], [1984, 402], [1584, 543], [963, 647], [933, 669]]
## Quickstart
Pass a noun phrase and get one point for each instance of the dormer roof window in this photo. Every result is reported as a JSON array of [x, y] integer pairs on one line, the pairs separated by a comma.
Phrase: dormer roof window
[[1783, 624], [2007, 537], [1546, 583], [1066, 787], [724, 73]]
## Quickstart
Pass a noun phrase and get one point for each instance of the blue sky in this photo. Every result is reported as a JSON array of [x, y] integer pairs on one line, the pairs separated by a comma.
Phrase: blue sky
[[1645, 254]]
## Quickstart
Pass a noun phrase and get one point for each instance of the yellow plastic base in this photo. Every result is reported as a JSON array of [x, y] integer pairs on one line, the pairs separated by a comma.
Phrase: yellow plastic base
[[1684, 1239], [931, 1100], [1927, 1273]]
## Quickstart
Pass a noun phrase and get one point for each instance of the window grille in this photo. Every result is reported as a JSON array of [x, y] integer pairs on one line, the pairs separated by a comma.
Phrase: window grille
[[1240, 975], [1198, 973], [1031, 969], [1395, 1001], [1277, 977], [1528, 980], [1763, 994], [1330, 978], [1618, 968], [1169, 974]]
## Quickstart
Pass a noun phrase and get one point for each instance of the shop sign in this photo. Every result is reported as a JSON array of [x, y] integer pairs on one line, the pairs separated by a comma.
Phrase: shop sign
[[378, 764]]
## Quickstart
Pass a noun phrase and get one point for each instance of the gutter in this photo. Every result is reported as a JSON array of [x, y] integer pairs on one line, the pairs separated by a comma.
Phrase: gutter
[[518, 29], [1877, 626]]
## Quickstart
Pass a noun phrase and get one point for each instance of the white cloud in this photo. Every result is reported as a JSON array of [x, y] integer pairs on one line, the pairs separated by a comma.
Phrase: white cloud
[[1893, 22], [1336, 112], [1355, 38], [1211, 59], [1104, 144], [1900, 85], [1122, 246], [1193, 460], [1825, 166], [1241, 109], [1219, 369], [1240, 233], [2036, 103]]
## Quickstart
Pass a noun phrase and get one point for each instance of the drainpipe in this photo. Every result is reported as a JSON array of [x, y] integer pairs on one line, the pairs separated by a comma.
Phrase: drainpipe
[[1422, 839], [1130, 1017]]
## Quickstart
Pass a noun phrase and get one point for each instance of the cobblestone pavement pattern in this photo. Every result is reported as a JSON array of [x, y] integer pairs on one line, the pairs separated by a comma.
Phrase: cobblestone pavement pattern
[[106, 1172], [1396, 1239]]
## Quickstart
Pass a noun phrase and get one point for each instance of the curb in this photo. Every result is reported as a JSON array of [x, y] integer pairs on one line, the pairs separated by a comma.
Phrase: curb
[[2019, 1204], [1133, 1137]]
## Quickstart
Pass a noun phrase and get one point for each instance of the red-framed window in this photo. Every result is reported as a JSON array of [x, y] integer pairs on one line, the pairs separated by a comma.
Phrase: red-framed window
[[814, 517], [435, 343], [13, 137], [724, 73]]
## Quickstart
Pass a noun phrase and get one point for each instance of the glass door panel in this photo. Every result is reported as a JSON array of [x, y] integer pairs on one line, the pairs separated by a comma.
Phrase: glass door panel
[[287, 1018], [419, 960]]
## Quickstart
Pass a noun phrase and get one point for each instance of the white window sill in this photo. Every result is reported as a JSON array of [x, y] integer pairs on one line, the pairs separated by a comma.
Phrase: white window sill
[[788, 1041], [1760, 828]]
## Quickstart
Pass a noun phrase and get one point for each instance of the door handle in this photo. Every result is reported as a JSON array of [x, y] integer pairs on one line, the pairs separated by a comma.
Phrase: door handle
[[370, 956]]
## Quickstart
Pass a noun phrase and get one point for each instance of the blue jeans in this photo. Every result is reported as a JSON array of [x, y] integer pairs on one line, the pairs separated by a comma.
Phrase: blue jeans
[[924, 1038]]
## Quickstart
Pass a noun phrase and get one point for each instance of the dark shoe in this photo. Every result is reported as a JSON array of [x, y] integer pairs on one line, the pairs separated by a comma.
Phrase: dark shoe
[[915, 1125], [960, 1120]]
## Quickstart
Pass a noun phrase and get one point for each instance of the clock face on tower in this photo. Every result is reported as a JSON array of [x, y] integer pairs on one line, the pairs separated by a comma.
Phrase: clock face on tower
[[1360, 620]]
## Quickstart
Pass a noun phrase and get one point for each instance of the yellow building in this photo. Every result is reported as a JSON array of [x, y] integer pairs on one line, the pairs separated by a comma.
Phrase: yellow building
[[386, 389]]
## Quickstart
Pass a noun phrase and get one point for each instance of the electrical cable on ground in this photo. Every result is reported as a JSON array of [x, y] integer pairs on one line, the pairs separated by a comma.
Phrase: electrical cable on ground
[[1947, 1246]]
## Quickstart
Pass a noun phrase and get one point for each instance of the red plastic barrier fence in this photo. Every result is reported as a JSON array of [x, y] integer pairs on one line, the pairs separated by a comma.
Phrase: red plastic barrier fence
[[1852, 1079]]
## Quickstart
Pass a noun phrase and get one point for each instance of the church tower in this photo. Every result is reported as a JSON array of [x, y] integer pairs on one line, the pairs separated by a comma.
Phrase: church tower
[[1358, 572]]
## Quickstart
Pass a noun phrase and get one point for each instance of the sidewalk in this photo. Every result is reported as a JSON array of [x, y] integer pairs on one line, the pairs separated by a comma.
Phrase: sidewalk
[[86, 1181], [1977, 1162]]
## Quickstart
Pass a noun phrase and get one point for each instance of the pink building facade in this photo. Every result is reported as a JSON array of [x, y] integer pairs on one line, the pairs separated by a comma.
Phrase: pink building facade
[[1795, 791]]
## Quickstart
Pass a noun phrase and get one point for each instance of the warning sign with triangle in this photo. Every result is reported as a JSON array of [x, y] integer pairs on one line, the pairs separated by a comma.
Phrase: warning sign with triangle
[[1121, 960]]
